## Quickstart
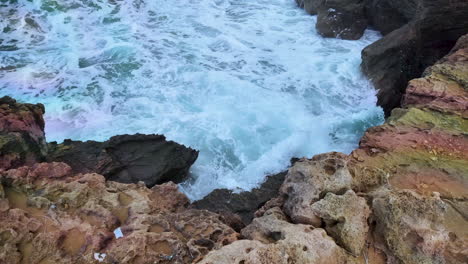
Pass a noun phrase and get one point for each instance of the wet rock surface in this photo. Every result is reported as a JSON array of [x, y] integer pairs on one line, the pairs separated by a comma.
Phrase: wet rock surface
[[401, 197], [241, 205], [128, 158], [416, 33], [345, 19]]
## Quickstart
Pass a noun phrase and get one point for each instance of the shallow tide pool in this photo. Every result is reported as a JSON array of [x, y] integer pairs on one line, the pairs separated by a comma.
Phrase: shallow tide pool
[[249, 83]]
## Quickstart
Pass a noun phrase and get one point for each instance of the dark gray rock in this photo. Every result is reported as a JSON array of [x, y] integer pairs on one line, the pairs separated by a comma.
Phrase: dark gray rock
[[311, 6], [127, 158], [243, 204], [386, 15], [418, 33], [388, 63], [345, 19]]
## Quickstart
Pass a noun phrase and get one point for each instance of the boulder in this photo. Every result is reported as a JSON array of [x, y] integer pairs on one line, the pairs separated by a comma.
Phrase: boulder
[[309, 180], [274, 240], [22, 138], [411, 226], [345, 217], [128, 158], [345, 19]]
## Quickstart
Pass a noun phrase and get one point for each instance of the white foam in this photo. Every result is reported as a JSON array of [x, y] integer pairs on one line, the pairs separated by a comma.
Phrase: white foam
[[248, 83]]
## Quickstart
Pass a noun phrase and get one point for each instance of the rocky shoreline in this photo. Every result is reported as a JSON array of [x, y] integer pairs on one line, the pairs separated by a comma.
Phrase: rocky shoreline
[[401, 197], [416, 34]]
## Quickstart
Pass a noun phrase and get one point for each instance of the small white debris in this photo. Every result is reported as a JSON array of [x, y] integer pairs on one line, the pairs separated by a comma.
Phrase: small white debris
[[99, 256], [53, 206], [331, 10], [118, 233]]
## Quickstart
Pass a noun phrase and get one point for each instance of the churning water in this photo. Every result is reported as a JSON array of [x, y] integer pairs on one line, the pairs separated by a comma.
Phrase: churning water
[[249, 83]]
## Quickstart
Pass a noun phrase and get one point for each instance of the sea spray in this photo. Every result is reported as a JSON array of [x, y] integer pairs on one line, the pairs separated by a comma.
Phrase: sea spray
[[248, 83]]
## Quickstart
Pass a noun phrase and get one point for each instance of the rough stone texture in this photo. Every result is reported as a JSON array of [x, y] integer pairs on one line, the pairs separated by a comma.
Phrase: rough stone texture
[[22, 139], [411, 226], [417, 34], [388, 63], [274, 240], [412, 170], [245, 203], [423, 148], [345, 19], [309, 180], [50, 215], [128, 158], [444, 85], [345, 218], [387, 16]]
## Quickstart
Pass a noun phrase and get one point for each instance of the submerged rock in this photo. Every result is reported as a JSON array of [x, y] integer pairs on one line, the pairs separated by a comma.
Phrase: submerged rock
[[128, 158]]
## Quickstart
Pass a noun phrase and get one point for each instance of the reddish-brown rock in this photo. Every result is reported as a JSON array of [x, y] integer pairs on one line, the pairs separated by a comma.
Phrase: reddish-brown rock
[[48, 215], [22, 138]]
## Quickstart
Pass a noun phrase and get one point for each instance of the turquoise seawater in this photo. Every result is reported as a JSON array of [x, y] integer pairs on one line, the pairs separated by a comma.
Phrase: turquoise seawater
[[249, 83]]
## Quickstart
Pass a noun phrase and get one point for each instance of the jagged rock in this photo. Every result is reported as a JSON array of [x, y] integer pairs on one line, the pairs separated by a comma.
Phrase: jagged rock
[[418, 33], [22, 139], [389, 64], [345, 19], [244, 203], [308, 180], [274, 240], [443, 86], [49, 215], [345, 218], [128, 158], [411, 226], [386, 16], [424, 146], [275, 202]]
